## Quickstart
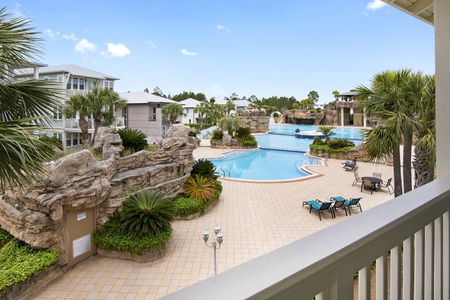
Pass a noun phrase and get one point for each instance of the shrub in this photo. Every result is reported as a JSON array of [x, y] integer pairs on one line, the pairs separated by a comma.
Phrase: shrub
[[340, 143], [147, 213], [133, 139], [217, 135], [186, 206], [19, 261], [51, 141], [200, 187], [204, 168], [243, 132], [114, 223], [5, 237], [192, 125], [318, 141]]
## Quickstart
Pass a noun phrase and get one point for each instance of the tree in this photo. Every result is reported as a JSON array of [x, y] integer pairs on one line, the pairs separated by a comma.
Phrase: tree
[[228, 107], [335, 94], [79, 105], [327, 131], [103, 101], [157, 91], [388, 100], [228, 123], [202, 110], [25, 106], [313, 95], [172, 111]]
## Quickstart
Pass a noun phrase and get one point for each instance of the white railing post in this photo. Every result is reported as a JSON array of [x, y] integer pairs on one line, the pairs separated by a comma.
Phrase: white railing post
[[419, 266], [408, 269], [364, 283], [381, 277], [396, 273], [429, 261], [446, 256], [437, 277]]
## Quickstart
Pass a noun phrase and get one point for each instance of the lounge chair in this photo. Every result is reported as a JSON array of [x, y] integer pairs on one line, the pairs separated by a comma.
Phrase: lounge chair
[[353, 202], [338, 204], [350, 165], [320, 207], [387, 185], [357, 178]]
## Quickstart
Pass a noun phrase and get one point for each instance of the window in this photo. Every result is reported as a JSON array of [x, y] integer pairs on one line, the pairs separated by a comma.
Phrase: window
[[108, 84], [57, 112], [69, 83], [60, 78], [91, 84], [75, 83], [154, 113], [81, 83], [46, 78]]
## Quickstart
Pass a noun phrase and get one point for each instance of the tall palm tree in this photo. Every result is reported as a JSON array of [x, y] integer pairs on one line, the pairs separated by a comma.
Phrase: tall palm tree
[[25, 107], [228, 123], [327, 131], [103, 101], [202, 110], [80, 106], [388, 101], [172, 111]]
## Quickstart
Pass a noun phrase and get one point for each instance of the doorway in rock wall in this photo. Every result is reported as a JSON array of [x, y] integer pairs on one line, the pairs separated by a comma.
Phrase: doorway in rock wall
[[81, 225]]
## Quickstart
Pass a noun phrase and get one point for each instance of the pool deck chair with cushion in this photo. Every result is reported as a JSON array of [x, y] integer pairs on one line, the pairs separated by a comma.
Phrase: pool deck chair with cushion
[[350, 165], [367, 185], [353, 202], [339, 203], [388, 185], [320, 207]]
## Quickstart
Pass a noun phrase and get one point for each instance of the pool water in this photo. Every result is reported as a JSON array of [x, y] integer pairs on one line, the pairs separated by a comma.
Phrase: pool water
[[263, 164], [281, 155]]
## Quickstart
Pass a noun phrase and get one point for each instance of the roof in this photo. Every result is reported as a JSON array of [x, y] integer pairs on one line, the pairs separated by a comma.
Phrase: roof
[[421, 9], [241, 103], [143, 98], [351, 93], [189, 102], [74, 70]]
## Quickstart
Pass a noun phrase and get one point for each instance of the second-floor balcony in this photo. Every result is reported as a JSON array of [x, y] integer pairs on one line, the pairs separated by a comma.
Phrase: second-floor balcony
[[73, 124]]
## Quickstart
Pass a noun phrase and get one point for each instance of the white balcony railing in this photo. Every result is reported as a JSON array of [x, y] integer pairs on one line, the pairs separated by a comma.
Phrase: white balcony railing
[[412, 231], [73, 123]]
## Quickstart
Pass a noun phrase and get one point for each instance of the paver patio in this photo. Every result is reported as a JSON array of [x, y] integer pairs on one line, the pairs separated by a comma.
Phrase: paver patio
[[255, 218]]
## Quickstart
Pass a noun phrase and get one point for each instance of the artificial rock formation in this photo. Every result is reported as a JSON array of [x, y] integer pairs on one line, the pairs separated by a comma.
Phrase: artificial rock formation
[[35, 214], [255, 119]]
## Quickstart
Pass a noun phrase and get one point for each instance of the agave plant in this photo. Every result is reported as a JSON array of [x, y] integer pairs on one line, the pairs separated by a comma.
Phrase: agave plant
[[200, 187], [133, 139], [147, 213]]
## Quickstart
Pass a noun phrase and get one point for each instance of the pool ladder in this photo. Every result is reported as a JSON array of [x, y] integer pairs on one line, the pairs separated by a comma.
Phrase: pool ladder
[[224, 172]]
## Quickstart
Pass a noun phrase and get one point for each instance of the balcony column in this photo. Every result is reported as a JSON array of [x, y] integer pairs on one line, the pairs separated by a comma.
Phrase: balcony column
[[442, 45], [342, 116]]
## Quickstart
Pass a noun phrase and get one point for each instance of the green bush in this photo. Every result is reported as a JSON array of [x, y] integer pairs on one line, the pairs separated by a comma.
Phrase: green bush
[[5, 237], [192, 125], [147, 213], [243, 132], [185, 206], [18, 261], [132, 139], [248, 141], [124, 242], [340, 143], [51, 141], [217, 135], [318, 141], [204, 168]]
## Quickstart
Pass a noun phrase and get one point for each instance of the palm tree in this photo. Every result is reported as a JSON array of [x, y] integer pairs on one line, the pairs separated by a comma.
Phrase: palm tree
[[103, 101], [202, 110], [79, 105], [228, 123], [388, 101], [172, 111], [25, 107], [228, 107], [327, 131]]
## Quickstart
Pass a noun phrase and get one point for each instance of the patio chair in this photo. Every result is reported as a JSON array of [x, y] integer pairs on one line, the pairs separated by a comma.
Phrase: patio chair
[[353, 202], [320, 207], [388, 185], [367, 185], [350, 165], [357, 178], [338, 204], [376, 174]]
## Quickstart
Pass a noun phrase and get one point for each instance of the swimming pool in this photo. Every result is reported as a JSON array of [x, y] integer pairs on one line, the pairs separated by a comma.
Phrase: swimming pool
[[281, 155], [263, 165]]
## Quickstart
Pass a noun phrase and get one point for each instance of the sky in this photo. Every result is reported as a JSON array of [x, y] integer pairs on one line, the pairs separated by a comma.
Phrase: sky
[[247, 47]]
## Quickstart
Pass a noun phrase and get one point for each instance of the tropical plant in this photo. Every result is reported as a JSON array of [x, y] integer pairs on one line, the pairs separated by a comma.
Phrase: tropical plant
[[228, 107], [133, 139], [217, 135], [340, 143], [25, 106], [172, 111], [79, 105], [229, 124], [51, 141], [147, 213], [200, 187], [205, 168], [203, 110], [114, 223], [327, 131], [103, 101]]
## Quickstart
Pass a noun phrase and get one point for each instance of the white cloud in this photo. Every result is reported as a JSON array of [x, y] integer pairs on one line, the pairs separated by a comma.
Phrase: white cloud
[[70, 37], [375, 4], [151, 44], [221, 27], [85, 46], [51, 33], [118, 50], [186, 52]]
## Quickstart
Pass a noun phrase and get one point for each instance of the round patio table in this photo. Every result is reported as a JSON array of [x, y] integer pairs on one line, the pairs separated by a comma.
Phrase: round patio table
[[375, 181]]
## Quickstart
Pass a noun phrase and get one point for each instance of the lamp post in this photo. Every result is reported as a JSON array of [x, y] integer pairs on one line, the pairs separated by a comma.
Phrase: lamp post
[[217, 241]]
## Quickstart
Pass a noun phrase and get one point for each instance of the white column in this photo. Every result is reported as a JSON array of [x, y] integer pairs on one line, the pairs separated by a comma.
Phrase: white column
[[442, 44]]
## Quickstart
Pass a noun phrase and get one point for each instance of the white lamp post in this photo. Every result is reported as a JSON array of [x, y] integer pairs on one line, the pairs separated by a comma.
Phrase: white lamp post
[[217, 241]]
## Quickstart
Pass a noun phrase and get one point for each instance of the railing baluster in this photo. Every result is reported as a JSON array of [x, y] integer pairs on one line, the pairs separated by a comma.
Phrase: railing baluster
[[437, 278], [419, 265], [429, 253], [408, 269], [396, 274], [381, 278], [364, 283], [446, 256]]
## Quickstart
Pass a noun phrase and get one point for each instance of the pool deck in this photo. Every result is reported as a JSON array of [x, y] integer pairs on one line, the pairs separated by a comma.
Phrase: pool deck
[[255, 218]]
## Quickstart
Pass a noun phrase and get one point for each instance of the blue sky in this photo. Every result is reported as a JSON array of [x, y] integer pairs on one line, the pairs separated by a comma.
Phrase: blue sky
[[248, 47]]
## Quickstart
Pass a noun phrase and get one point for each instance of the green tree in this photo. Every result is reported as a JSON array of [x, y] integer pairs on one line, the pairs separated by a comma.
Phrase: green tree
[[25, 106], [202, 110], [313, 95], [335, 94], [104, 101], [228, 107], [327, 131], [172, 111], [228, 123], [158, 92], [80, 106]]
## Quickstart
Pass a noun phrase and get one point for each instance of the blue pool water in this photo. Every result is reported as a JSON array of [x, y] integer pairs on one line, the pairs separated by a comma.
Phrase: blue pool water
[[269, 163]]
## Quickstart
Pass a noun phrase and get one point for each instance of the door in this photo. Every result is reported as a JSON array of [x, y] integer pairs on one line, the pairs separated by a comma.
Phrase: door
[[81, 225]]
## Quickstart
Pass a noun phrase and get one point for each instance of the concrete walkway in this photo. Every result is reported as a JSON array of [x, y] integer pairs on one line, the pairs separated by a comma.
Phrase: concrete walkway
[[255, 218]]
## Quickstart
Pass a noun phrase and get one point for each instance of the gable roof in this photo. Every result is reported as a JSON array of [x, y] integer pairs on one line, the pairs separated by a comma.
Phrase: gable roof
[[421, 9], [189, 102], [143, 98], [73, 70]]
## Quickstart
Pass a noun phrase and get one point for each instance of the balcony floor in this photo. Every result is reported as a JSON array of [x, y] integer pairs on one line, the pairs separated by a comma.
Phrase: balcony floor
[[255, 218]]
